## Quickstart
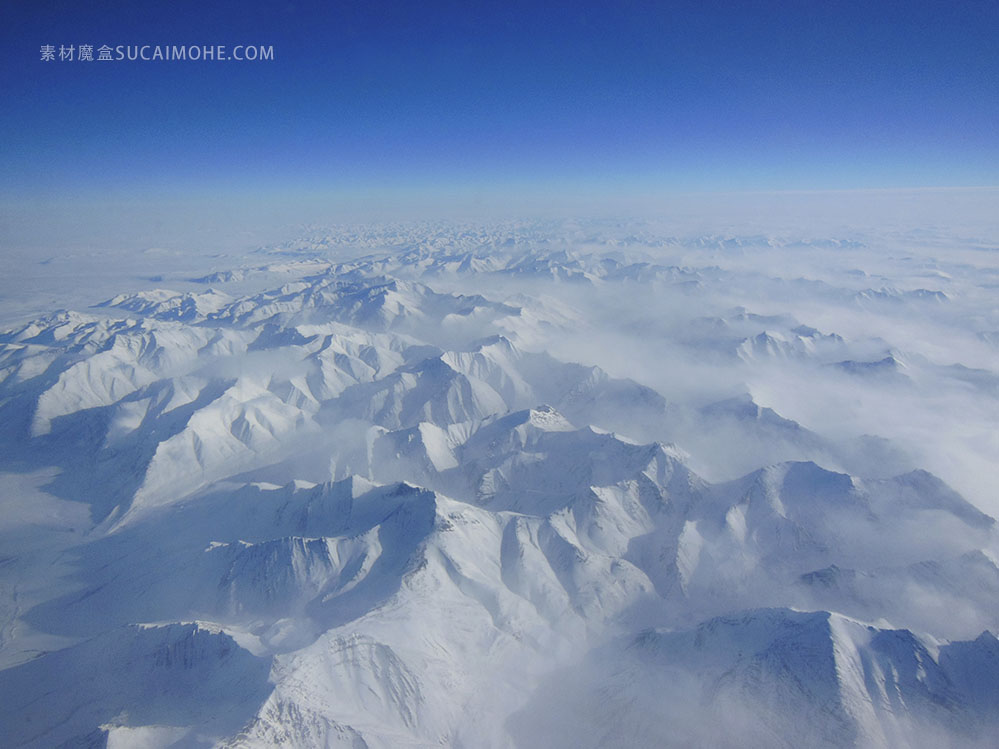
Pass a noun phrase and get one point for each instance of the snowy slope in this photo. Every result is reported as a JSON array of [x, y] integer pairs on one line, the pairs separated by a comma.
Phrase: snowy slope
[[492, 489]]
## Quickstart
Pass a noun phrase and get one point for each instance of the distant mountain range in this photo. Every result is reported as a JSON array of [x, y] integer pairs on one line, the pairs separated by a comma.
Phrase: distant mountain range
[[361, 509]]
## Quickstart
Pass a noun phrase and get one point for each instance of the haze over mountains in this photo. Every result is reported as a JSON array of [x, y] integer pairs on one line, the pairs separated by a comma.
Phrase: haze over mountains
[[580, 484]]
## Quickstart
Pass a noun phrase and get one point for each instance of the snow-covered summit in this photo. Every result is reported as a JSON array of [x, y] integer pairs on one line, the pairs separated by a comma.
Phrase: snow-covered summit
[[505, 488]]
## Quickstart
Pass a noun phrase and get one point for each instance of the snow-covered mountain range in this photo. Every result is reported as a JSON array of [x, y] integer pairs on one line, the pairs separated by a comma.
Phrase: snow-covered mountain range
[[498, 490]]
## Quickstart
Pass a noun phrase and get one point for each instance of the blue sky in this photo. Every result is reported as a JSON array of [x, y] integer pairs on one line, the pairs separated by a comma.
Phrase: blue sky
[[500, 97]]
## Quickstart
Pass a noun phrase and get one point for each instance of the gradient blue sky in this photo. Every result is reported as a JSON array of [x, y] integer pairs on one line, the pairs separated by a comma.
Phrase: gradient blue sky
[[430, 98]]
